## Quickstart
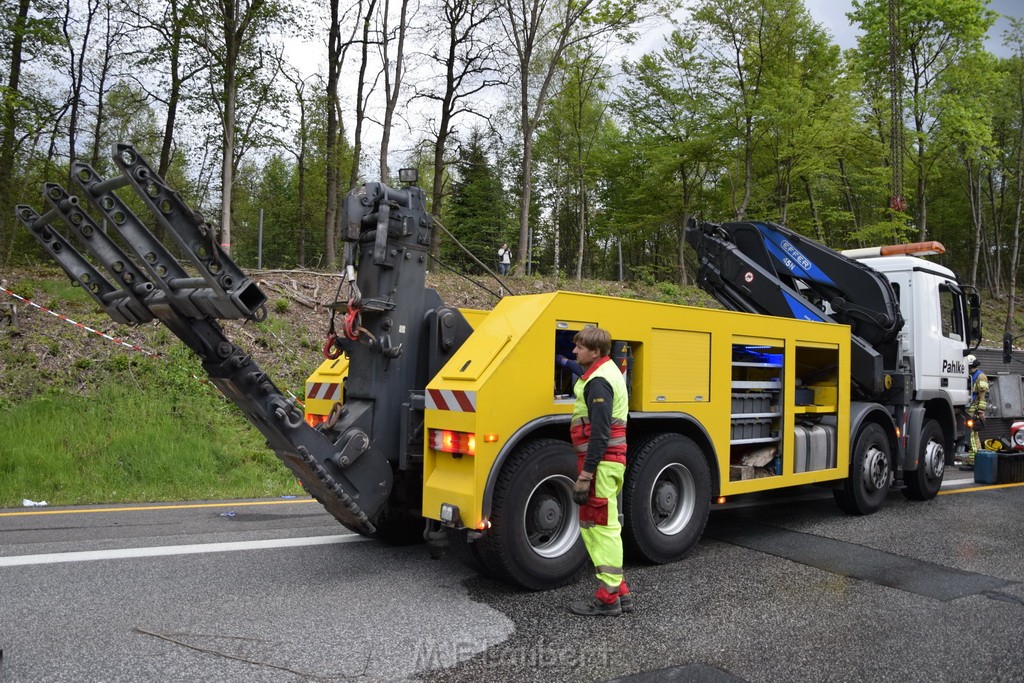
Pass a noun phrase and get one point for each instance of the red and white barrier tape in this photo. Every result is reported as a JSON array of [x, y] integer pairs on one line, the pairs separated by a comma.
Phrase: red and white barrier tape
[[107, 336], [78, 324]]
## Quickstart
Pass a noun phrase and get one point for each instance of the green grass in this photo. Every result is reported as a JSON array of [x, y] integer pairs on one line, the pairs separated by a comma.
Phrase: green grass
[[116, 445]]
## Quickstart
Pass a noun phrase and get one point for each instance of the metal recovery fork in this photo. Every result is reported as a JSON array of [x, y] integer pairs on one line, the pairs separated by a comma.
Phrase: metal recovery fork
[[147, 282]]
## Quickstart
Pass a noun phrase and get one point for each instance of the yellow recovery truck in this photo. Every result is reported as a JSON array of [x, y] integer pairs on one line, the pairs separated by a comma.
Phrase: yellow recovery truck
[[427, 420]]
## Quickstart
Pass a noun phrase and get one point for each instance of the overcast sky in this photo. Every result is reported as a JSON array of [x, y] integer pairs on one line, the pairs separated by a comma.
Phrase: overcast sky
[[832, 14]]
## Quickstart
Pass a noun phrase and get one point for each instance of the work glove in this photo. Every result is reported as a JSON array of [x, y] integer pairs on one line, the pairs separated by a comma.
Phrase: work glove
[[581, 489]]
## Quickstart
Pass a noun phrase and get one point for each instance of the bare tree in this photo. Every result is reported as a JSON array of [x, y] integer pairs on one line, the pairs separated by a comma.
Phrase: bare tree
[[361, 94], [114, 31], [336, 52], [539, 34], [299, 84], [170, 24], [76, 44], [392, 77], [466, 54]]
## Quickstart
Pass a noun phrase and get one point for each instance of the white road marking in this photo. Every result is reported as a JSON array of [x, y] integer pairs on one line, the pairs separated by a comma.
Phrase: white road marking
[[159, 551]]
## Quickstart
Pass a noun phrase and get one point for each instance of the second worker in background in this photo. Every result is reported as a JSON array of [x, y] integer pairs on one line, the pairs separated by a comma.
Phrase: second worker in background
[[598, 433]]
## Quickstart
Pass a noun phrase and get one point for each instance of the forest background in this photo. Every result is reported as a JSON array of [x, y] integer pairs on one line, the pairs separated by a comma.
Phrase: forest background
[[541, 124]]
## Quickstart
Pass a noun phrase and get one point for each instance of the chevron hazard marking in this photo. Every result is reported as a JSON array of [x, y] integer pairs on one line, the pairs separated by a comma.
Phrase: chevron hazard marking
[[451, 400]]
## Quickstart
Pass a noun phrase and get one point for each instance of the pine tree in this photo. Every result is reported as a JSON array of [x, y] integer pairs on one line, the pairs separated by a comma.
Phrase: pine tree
[[478, 211]]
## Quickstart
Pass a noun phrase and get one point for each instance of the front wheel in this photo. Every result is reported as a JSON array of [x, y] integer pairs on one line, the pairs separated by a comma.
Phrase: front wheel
[[534, 540], [666, 498], [865, 489], [924, 482]]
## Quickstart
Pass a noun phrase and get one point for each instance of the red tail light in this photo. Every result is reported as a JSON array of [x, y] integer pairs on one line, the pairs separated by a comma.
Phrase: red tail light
[[450, 441]]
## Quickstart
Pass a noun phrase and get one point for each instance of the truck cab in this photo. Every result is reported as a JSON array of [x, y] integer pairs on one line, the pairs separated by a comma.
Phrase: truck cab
[[938, 313]]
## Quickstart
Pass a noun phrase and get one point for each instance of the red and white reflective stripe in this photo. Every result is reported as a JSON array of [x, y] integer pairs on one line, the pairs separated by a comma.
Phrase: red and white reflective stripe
[[327, 391], [452, 400], [78, 324]]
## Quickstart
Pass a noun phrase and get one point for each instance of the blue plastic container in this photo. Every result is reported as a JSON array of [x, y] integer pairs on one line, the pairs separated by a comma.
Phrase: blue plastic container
[[986, 467]]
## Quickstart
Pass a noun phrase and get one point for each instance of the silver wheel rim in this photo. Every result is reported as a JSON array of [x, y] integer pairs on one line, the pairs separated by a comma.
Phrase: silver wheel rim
[[876, 469], [934, 459], [550, 521], [673, 499]]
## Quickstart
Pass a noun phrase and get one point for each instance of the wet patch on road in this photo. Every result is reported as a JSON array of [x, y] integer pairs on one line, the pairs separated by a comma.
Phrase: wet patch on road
[[852, 560]]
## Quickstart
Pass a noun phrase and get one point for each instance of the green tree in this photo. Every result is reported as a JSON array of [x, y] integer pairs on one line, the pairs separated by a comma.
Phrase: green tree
[[235, 37], [569, 141], [935, 35], [670, 110], [28, 31], [478, 211]]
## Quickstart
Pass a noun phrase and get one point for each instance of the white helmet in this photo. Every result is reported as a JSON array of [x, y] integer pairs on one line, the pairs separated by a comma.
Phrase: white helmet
[[972, 361]]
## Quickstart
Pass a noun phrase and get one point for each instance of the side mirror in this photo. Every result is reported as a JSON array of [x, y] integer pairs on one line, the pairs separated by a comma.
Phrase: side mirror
[[1007, 347], [974, 320]]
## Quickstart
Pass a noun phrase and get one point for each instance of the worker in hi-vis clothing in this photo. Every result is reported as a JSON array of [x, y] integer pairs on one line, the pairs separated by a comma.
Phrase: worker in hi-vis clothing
[[598, 433], [976, 407]]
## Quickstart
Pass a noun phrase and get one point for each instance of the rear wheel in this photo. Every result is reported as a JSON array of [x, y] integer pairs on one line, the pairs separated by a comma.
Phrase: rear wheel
[[865, 489], [666, 498], [534, 539], [924, 482]]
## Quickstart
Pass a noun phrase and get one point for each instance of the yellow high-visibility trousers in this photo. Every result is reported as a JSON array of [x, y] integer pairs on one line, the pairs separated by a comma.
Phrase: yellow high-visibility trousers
[[599, 524]]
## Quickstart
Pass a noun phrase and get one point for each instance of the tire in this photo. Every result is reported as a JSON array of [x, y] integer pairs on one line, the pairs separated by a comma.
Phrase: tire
[[666, 498], [866, 488], [534, 540], [924, 482]]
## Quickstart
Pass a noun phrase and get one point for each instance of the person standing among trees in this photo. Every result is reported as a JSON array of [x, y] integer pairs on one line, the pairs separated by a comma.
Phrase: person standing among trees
[[598, 432], [504, 259]]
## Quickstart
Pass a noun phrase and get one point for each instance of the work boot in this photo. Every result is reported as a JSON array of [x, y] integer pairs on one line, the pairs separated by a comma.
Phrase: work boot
[[593, 607], [625, 598]]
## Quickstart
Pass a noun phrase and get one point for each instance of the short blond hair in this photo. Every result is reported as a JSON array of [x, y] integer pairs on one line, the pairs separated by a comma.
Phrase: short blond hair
[[595, 339]]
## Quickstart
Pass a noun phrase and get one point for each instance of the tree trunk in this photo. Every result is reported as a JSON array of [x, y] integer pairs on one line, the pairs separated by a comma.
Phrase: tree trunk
[[582, 220], [227, 169], [848, 194], [818, 231], [334, 56], [1015, 258], [391, 91], [922, 200], [9, 119], [357, 136], [974, 198], [76, 65]]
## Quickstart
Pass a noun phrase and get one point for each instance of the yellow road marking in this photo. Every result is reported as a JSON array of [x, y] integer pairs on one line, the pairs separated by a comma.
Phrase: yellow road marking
[[157, 507], [987, 487]]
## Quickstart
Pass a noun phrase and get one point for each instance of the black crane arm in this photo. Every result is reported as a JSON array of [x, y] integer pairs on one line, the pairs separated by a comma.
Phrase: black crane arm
[[767, 269]]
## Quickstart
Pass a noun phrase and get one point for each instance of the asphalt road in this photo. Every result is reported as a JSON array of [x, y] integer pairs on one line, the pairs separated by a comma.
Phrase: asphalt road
[[278, 591]]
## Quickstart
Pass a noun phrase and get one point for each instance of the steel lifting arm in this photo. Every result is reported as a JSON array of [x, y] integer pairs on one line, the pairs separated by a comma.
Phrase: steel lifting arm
[[151, 283], [765, 268]]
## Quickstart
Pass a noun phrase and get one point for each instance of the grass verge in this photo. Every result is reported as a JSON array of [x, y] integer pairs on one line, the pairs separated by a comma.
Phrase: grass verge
[[150, 444]]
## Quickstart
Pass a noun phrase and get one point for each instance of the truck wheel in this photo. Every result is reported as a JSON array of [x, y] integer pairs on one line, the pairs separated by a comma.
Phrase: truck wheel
[[666, 498], [865, 489], [534, 540], [924, 482]]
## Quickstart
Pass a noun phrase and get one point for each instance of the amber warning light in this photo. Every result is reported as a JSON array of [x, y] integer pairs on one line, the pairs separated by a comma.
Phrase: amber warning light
[[313, 420], [914, 249]]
